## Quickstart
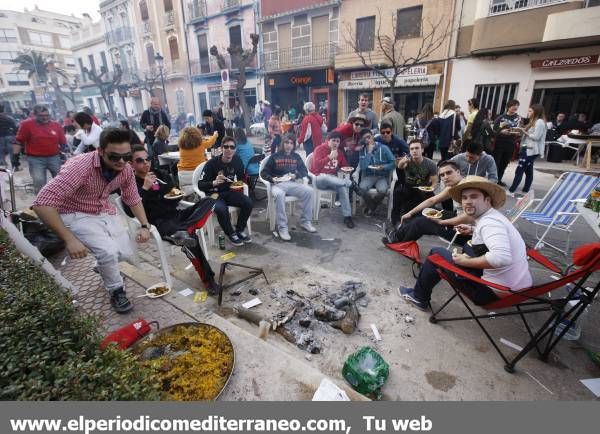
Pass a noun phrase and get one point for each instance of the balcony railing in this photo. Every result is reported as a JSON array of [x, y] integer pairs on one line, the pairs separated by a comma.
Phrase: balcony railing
[[119, 35], [169, 19], [196, 10], [290, 58], [505, 6], [206, 66], [229, 4]]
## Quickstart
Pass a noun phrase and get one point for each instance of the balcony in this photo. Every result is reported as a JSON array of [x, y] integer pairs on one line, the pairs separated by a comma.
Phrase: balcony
[[196, 11], [231, 4], [507, 6], [317, 56], [176, 68], [119, 36], [205, 66], [169, 19]]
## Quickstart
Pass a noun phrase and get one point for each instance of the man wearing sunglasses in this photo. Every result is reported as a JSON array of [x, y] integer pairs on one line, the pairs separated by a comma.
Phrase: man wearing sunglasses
[[218, 175], [396, 144], [75, 205], [350, 142]]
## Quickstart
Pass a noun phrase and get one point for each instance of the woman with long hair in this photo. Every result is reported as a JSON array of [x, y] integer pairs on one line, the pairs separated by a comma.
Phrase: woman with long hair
[[160, 145], [192, 148], [420, 125], [482, 130], [532, 146]]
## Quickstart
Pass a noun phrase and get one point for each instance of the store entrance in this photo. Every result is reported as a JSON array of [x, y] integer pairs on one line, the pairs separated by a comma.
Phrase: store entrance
[[571, 101], [409, 102]]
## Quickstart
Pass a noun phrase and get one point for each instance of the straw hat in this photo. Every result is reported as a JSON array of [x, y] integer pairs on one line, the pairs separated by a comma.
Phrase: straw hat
[[358, 117], [497, 193]]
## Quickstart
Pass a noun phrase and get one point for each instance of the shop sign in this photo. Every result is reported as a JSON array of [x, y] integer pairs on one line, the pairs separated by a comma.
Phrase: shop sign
[[564, 62], [300, 78], [427, 80], [370, 74]]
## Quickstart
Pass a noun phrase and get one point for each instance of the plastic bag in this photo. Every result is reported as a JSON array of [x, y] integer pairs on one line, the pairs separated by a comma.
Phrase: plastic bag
[[366, 371], [328, 391]]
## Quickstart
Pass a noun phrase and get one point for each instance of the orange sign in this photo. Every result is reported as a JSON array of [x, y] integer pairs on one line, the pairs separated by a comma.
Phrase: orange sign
[[301, 81]]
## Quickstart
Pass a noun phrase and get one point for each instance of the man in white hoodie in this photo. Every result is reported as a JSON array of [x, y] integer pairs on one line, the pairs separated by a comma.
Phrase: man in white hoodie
[[476, 162]]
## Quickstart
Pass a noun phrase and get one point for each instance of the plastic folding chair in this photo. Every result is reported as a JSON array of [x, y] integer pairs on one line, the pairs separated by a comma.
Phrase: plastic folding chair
[[557, 209], [586, 260], [253, 179], [233, 211], [318, 192]]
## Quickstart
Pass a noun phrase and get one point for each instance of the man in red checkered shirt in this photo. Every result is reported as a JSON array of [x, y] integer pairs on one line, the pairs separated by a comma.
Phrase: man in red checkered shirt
[[75, 205]]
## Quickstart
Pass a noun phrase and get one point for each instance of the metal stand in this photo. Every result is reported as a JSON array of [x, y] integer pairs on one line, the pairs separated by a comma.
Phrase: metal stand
[[255, 272]]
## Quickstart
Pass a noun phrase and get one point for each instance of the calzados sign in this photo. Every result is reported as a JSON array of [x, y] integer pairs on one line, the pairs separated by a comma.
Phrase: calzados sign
[[562, 62]]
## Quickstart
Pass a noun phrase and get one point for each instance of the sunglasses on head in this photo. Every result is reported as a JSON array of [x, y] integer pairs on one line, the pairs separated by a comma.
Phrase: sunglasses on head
[[115, 158], [228, 146], [142, 160], [386, 132]]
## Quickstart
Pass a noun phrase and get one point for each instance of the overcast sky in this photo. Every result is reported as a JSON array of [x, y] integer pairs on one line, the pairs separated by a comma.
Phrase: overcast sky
[[67, 7]]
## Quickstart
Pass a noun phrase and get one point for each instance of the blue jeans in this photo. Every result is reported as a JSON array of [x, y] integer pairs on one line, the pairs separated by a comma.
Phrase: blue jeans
[[339, 185], [525, 166], [429, 277], [38, 167], [5, 148]]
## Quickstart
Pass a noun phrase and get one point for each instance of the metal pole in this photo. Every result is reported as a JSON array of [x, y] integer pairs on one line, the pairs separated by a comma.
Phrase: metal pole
[[162, 79]]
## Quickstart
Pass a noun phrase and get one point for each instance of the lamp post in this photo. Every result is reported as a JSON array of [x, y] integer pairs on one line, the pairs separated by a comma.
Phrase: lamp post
[[160, 61], [72, 87]]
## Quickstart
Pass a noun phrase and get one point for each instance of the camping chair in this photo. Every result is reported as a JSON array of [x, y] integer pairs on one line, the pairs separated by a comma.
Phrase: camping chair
[[270, 202], [557, 209], [318, 192], [233, 211], [530, 300], [133, 225]]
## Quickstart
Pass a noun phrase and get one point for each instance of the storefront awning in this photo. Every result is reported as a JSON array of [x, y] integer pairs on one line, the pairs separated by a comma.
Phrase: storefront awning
[[412, 81]]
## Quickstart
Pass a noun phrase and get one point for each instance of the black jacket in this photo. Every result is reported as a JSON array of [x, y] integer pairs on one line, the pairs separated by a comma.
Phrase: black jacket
[[234, 169], [8, 126], [156, 120]]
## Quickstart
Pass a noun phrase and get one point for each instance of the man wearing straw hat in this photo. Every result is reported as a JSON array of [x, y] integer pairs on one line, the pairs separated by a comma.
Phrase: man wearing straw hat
[[499, 252]]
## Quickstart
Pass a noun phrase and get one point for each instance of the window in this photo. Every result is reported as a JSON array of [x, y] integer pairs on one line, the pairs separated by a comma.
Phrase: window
[[7, 56], [8, 35], [180, 98], [495, 96], [144, 10], [37, 38], [103, 58], [203, 53], [202, 101], [235, 36], [168, 4], [174, 48], [92, 62], [214, 98], [408, 24], [150, 54], [65, 42], [365, 30], [592, 3], [17, 79]]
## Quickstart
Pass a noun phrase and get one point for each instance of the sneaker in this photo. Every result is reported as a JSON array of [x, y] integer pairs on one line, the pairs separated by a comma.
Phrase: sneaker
[[349, 223], [408, 294], [308, 227], [235, 240], [245, 238], [119, 301], [284, 234], [337, 204], [385, 241]]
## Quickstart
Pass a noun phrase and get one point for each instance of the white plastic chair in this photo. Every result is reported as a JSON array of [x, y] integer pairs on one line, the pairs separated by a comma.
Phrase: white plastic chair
[[270, 203], [373, 191], [318, 193], [233, 210], [133, 225]]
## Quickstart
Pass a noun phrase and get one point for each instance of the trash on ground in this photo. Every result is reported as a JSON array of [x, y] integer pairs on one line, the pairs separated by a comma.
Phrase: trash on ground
[[201, 296], [227, 256], [409, 319], [186, 292], [511, 345], [593, 384], [375, 332], [366, 371], [254, 302], [328, 391]]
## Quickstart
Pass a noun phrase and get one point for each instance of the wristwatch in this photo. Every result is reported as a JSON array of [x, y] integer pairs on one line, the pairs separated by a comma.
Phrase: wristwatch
[[146, 227]]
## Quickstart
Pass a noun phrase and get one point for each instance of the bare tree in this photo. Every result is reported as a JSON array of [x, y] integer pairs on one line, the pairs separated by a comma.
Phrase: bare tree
[[396, 56], [149, 82], [107, 83], [239, 59]]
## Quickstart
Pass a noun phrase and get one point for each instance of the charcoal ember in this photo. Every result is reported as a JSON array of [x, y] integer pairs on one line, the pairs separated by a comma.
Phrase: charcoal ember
[[314, 348], [253, 291], [305, 322], [304, 339], [326, 313], [236, 293]]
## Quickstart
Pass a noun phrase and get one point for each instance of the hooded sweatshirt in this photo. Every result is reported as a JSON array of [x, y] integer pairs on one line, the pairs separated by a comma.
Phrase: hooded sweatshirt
[[484, 167], [280, 164], [381, 156], [445, 128]]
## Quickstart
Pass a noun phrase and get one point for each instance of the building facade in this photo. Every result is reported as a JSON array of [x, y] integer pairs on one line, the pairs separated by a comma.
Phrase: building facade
[[161, 37], [299, 40], [220, 23], [385, 32], [44, 32], [548, 53]]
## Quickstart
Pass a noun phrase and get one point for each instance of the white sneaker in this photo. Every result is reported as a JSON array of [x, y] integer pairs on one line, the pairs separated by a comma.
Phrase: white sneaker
[[284, 234], [307, 226]]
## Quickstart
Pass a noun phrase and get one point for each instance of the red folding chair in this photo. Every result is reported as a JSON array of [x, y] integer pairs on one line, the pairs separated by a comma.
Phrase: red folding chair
[[586, 260]]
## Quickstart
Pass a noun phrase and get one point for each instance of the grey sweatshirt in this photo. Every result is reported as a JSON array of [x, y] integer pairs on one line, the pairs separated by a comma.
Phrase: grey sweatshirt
[[485, 166]]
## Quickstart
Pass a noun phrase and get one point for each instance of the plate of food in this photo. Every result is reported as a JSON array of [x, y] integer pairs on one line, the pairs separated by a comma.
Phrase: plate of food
[[156, 291], [425, 188], [236, 186], [375, 166], [175, 193], [284, 178], [432, 213], [347, 169]]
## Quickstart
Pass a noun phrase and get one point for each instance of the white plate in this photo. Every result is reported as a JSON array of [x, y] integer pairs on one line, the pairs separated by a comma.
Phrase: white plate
[[150, 295], [347, 169], [426, 188], [374, 167], [284, 178], [179, 196], [437, 216]]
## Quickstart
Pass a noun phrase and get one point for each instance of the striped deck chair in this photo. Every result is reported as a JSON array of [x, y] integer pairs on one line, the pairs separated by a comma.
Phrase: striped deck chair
[[557, 209]]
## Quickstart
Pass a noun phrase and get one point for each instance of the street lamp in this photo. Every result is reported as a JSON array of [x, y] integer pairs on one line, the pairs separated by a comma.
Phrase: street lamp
[[160, 61], [72, 87]]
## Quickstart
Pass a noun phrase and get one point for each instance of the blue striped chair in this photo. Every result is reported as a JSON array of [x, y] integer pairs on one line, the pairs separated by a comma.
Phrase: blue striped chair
[[557, 209]]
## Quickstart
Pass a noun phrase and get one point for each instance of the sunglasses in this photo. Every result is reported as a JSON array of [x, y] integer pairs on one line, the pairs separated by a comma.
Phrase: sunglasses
[[358, 124], [386, 133], [228, 146], [142, 160], [115, 158]]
